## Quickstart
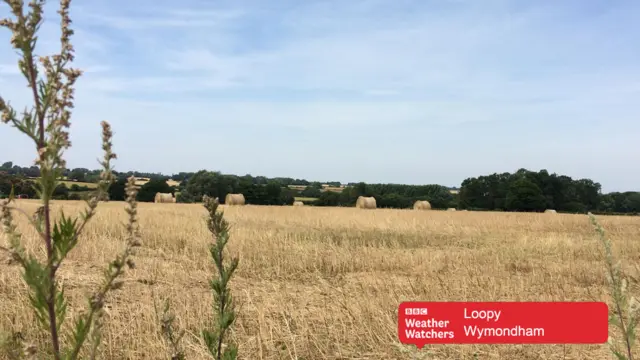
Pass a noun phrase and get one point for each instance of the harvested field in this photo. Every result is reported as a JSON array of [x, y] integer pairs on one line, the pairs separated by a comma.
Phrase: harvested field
[[325, 283]]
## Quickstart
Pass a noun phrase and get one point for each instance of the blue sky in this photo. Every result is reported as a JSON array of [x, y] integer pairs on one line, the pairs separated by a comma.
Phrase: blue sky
[[401, 91]]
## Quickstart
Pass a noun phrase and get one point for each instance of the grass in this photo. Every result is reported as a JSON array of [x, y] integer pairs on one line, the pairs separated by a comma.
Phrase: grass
[[319, 283]]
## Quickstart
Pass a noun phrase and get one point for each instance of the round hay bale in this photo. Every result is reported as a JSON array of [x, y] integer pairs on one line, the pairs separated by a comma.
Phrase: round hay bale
[[164, 198], [298, 203], [421, 205], [364, 202], [451, 209], [234, 199], [550, 211]]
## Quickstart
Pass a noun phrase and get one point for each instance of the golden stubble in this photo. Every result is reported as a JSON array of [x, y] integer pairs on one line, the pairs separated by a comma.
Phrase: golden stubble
[[325, 283]]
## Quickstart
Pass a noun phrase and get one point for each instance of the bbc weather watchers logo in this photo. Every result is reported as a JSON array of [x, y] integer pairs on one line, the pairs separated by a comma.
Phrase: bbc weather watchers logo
[[416, 311]]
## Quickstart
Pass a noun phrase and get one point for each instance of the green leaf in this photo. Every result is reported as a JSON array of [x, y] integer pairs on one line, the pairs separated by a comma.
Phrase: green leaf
[[619, 355], [631, 331], [215, 286], [227, 320], [80, 331], [61, 308], [37, 278], [613, 319], [230, 353], [211, 339], [64, 236]]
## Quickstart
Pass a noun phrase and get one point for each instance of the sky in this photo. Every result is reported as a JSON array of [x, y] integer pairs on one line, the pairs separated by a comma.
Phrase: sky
[[380, 91]]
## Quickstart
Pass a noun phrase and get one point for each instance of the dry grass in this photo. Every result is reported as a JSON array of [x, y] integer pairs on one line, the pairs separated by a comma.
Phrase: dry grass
[[325, 283], [332, 188]]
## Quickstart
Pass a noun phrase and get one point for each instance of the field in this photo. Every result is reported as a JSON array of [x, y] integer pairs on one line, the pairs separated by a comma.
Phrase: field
[[300, 198], [140, 182], [324, 188], [325, 283], [79, 183]]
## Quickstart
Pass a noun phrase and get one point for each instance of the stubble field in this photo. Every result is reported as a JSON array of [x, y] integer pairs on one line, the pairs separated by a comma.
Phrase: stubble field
[[325, 283]]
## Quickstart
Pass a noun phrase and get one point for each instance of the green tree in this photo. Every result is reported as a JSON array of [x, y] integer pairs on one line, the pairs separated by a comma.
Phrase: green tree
[[61, 192], [525, 195], [148, 191], [311, 192], [78, 174], [185, 197], [117, 190]]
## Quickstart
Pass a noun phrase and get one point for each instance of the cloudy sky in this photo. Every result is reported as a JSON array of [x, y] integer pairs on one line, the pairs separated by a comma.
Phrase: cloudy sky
[[403, 91]]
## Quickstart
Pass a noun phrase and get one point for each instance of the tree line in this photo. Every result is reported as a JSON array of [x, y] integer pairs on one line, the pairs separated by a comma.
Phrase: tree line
[[92, 176], [527, 190], [522, 190]]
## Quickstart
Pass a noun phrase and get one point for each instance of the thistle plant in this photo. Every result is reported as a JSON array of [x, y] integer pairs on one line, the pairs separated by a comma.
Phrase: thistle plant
[[47, 124], [625, 306], [223, 301], [172, 335]]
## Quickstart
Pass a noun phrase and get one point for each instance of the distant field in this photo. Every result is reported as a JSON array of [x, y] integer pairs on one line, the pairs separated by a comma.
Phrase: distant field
[[338, 189], [68, 183], [305, 198], [325, 283], [142, 181], [139, 182], [331, 188], [79, 183], [324, 188]]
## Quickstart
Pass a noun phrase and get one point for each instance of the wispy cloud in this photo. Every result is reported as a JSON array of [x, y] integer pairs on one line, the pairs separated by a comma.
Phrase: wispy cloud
[[172, 19], [327, 83]]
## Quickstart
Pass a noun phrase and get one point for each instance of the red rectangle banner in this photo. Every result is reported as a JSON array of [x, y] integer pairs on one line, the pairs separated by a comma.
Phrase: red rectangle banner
[[422, 323]]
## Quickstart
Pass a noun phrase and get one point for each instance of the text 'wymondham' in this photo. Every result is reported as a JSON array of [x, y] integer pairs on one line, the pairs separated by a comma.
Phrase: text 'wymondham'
[[515, 331]]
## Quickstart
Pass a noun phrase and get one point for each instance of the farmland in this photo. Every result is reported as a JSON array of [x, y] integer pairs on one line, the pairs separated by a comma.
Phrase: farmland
[[79, 183], [325, 282]]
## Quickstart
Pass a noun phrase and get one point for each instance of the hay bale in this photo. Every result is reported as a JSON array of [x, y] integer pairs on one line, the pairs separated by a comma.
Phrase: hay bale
[[164, 198], [234, 199], [298, 203], [550, 211], [451, 209], [421, 205], [364, 202]]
